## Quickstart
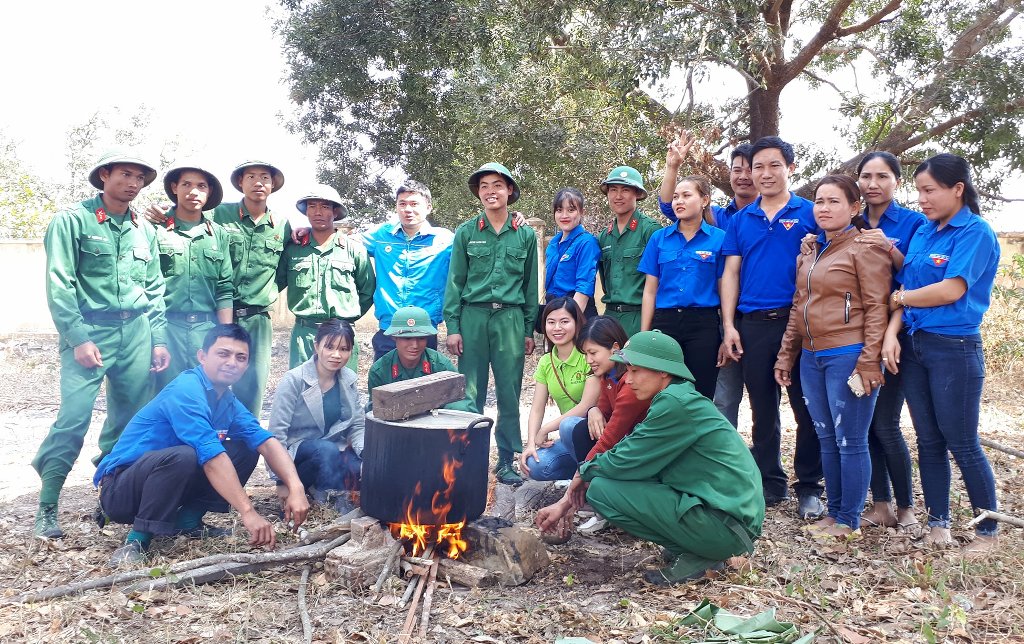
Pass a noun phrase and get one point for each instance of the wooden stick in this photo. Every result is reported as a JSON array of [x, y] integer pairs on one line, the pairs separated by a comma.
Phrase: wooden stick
[[428, 597], [410, 617], [307, 623], [193, 571], [389, 565], [1001, 448], [407, 595], [423, 561], [998, 516]]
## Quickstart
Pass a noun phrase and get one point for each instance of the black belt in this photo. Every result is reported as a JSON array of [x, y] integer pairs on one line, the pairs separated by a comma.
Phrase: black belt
[[622, 308], [495, 306], [190, 318], [781, 313], [246, 311], [707, 310], [110, 316]]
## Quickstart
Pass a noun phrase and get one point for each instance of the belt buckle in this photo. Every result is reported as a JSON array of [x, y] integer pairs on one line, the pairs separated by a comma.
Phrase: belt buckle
[[772, 315], [497, 306], [242, 311], [192, 318], [124, 315]]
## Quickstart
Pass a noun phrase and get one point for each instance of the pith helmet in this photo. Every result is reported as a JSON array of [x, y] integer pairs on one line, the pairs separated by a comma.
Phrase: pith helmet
[[493, 168], [656, 351], [326, 193], [236, 174], [410, 322], [216, 190], [120, 155], [626, 176]]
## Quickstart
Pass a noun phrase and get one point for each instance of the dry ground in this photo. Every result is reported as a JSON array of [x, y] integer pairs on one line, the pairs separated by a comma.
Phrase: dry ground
[[878, 588]]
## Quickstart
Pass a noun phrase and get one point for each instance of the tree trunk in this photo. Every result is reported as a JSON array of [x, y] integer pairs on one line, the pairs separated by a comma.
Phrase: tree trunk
[[764, 112]]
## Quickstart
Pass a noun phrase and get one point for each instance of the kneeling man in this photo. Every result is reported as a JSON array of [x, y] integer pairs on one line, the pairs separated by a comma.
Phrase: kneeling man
[[683, 478], [190, 451]]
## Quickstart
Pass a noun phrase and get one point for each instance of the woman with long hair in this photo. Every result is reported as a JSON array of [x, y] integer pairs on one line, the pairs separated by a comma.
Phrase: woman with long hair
[[934, 339], [570, 260], [835, 329]]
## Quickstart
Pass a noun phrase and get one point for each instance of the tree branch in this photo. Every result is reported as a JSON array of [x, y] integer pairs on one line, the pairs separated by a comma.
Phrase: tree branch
[[871, 21], [825, 81], [826, 34]]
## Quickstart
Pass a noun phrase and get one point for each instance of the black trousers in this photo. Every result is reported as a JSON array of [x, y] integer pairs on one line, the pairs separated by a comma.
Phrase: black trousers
[[384, 343], [148, 493], [761, 340], [698, 332]]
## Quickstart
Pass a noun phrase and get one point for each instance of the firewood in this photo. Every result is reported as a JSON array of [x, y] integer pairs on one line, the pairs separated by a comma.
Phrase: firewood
[[307, 623], [410, 617], [428, 597], [389, 565], [998, 516], [1002, 448], [402, 400], [465, 574]]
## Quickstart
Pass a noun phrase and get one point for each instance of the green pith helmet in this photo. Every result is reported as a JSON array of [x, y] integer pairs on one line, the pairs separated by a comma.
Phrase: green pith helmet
[[493, 168], [410, 322], [236, 174], [656, 351], [326, 193], [120, 155], [216, 190], [625, 176]]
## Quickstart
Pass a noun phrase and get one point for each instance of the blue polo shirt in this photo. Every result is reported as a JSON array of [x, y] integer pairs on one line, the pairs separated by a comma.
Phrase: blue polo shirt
[[769, 250], [185, 412], [410, 272], [687, 271], [899, 224], [571, 265], [722, 215], [966, 248]]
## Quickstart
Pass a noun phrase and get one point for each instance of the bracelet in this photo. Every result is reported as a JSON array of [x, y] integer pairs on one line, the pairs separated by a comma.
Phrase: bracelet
[[892, 247], [902, 296]]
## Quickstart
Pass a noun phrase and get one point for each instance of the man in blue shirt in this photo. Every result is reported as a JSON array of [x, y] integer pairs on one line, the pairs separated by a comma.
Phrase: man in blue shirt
[[412, 259], [761, 247], [190, 451]]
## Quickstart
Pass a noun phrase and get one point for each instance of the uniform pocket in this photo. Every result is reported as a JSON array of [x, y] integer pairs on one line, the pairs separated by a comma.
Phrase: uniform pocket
[[480, 262], [211, 261], [96, 258], [515, 262], [268, 253], [170, 260], [140, 264], [343, 274], [236, 246]]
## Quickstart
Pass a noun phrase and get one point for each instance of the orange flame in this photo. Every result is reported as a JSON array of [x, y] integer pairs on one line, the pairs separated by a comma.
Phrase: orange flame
[[420, 534]]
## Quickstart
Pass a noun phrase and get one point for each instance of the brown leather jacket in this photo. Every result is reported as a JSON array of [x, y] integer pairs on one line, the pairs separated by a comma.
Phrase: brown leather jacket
[[841, 299]]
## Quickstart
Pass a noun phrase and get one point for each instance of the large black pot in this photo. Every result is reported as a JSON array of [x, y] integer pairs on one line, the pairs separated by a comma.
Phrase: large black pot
[[398, 455]]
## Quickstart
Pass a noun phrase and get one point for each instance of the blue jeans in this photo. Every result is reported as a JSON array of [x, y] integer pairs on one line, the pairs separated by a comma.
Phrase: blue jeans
[[943, 376], [890, 458], [841, 421], [321, 465], [560, 461], [729, 391]]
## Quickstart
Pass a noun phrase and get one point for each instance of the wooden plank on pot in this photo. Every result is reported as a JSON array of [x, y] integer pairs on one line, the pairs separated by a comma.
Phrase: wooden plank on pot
[[402, 400]]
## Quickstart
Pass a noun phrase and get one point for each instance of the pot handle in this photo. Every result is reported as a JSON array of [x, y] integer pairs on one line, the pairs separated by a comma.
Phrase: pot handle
[[481, 421]]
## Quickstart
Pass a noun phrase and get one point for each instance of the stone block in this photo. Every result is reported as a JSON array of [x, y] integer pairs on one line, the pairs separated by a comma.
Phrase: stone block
[[359, 561], [512, 553]]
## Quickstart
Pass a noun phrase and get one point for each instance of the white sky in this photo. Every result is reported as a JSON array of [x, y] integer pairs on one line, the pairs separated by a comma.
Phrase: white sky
[[211, 71]]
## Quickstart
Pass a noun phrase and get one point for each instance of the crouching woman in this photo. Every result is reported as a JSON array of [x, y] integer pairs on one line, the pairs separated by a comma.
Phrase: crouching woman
[[318, 418], [683, 478]]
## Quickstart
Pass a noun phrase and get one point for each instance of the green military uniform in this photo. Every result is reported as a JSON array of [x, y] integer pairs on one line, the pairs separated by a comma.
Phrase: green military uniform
[[623, 284], [683, 478], [335, 280], [102, 285], [491, 301], [389, 369], [196, 266], [255, 248]]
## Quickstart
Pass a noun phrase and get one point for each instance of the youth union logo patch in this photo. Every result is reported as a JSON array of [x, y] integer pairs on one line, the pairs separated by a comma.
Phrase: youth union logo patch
[[789, 223], [703, 254], [939, 260]]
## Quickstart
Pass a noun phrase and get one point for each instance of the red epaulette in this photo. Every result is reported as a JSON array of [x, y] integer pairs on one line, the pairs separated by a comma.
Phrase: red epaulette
[[394, 371], [101, 215], [426, 368], [515, 226], [480, 223], [632, 223], [169, 223]]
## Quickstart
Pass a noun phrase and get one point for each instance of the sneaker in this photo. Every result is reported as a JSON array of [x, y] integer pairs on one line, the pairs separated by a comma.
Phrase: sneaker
[[46, 526], [129, 555], [810, 507], [593, 525], [675, 573], [203, 531], [507, 475]]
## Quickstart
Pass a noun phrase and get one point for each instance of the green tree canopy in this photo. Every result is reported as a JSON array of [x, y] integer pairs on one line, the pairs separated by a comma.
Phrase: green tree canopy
[[561, 91]]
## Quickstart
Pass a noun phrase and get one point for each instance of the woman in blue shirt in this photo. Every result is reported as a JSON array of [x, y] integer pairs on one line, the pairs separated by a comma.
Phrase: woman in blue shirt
[[934, 339], [683, 264], [878, 176], [570, 261]]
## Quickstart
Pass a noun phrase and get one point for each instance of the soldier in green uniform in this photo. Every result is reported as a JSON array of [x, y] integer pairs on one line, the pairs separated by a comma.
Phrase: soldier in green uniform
[[490, 304], [410, 327], [106, 297], [683, 478], [256, 241], [195, 264], [328, 275], [622, 243]]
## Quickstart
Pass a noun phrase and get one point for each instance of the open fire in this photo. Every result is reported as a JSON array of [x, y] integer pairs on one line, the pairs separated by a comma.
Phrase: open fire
[[438, 533]]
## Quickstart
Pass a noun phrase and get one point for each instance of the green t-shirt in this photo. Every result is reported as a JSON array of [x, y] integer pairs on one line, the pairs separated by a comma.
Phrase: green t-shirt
[[572, 373]]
